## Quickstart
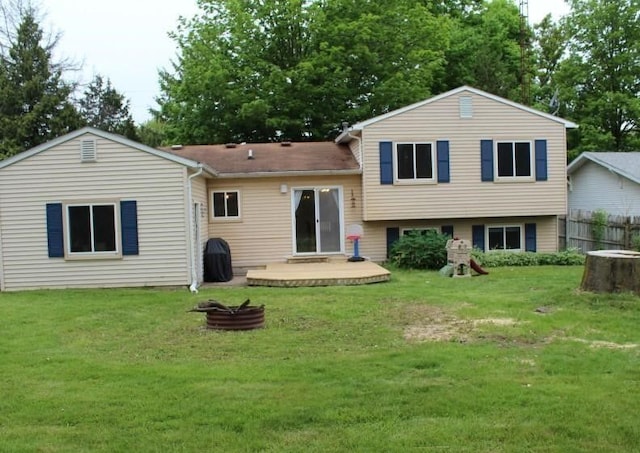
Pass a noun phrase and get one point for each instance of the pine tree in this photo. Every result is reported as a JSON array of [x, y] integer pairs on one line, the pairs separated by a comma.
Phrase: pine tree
[[105, 108], [35, 100]]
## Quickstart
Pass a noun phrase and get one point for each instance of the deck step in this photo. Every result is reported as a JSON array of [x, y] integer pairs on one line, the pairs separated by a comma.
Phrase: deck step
[[307, 259]]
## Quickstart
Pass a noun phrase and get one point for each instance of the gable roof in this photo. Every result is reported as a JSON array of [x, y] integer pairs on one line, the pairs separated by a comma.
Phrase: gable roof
[[359, 126], [107, 136], [273, 159], [625, 164]]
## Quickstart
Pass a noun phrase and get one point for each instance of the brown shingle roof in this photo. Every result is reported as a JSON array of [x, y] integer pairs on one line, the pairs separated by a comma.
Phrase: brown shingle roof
[[272, 157]]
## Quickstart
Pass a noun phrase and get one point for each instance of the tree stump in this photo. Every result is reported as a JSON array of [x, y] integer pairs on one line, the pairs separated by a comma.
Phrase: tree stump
[[611, 271]]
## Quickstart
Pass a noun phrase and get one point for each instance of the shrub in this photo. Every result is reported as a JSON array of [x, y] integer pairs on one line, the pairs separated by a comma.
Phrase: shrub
[[599, 220], [635, 242], [420, 250], [569, 257], [500, 259]]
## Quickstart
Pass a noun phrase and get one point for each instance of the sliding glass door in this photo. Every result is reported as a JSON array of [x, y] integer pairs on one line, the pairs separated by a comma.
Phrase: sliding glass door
[[317, 220]]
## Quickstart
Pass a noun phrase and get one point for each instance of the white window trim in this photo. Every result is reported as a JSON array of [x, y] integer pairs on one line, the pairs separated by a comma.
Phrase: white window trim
[[434, 164], [68, 254], [504, 227], [226, 218], [532, 162]]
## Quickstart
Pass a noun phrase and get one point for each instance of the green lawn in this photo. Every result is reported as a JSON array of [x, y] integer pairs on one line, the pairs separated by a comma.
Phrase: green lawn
[[422, 363]]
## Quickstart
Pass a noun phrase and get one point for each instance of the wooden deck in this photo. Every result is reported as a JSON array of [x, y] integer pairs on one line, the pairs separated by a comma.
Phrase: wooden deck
[[330, 273]]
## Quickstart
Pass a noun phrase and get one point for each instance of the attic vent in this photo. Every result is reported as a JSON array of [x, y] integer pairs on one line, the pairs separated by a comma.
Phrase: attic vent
[[230, 145], [285, 144], [466, 107], [176, 147], [88, 150]]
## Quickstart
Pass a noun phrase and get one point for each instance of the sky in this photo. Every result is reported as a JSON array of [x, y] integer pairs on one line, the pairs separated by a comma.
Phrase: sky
[[127, 40]]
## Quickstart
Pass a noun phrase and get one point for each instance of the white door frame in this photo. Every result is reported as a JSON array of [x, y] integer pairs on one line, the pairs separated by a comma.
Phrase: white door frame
[[316, 189]]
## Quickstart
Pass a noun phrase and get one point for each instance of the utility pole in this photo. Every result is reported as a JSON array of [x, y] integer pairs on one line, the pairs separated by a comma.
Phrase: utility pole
[[525, 80]]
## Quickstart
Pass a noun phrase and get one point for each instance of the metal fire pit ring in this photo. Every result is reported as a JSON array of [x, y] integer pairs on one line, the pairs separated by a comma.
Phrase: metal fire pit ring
[[222, 317], [247, 319]]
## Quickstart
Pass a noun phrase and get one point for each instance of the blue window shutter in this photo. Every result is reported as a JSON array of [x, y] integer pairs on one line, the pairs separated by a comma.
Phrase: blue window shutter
[[541, 160], [477, 236], [386, 163], [447, 229], [530, 237], [55, 233], [486, 160], [393, 234], [129, 224], [442, 149]]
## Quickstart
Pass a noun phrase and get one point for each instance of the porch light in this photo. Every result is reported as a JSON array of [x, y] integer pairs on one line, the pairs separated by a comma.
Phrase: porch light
[[283, 188]]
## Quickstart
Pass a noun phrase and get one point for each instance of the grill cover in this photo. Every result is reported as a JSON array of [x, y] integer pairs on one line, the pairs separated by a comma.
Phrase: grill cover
[[217, 261]]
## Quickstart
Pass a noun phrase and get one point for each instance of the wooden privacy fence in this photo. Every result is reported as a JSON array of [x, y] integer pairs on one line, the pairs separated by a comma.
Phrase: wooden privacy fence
[[576, 231]]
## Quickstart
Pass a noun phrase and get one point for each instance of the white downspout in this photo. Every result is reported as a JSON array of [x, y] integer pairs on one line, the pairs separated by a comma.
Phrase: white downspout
[[194, 241], [361, 162]]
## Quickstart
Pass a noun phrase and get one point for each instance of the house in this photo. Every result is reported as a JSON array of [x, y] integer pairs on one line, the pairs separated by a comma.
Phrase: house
[[605, 180], [93, 209], [465, 162]]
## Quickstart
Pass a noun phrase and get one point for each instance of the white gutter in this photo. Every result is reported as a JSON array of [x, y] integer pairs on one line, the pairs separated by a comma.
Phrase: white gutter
[[194, 241], [284, 173]]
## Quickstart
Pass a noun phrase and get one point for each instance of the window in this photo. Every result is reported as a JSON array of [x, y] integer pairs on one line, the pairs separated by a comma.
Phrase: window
[[504, 237], [226, 204], [418, 231], [514, 159], [414, 161], [92, 228]]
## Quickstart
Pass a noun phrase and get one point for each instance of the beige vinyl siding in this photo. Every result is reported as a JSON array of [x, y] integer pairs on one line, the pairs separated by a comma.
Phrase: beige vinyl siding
[[199, 194], [374, 244], [465, 195], [264, 233], [120, 173]]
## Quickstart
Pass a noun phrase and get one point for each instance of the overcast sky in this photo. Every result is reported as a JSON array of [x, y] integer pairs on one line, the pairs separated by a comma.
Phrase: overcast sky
[[126, 40]]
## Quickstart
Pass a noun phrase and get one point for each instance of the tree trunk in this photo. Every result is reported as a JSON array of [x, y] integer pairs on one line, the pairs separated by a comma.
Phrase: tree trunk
[[611, 271]]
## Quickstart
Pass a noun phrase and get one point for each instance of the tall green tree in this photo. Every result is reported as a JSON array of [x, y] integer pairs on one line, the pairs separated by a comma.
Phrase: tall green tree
[[152, 133], [35, 100], [485, 50], [103, 107], [601, 79], [550, 44], [251, 70], [234, 63]]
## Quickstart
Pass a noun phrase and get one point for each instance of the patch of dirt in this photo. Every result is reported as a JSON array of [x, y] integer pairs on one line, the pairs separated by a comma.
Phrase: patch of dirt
[[604, 344], [495, 321], [428, 323]]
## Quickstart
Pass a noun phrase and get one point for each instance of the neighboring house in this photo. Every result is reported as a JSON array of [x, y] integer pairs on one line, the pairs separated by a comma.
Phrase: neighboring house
[[466, 163], [93, 209], [609, 181]]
